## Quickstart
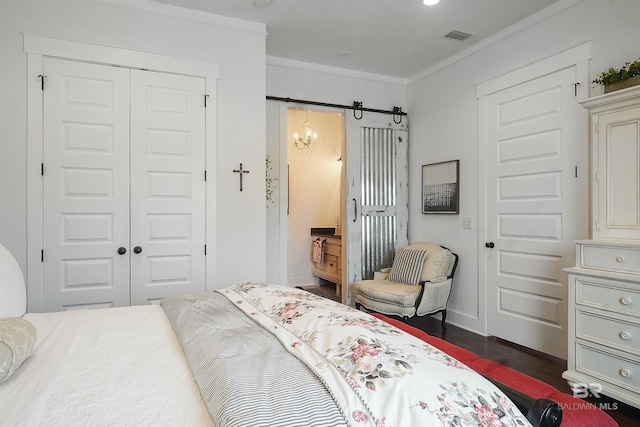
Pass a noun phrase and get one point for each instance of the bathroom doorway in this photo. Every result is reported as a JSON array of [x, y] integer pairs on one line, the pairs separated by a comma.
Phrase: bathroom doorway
[[306, 188], [315, 186]]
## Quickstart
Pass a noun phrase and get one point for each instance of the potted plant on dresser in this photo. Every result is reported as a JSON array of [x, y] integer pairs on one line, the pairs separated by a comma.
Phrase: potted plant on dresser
[[615, 79]]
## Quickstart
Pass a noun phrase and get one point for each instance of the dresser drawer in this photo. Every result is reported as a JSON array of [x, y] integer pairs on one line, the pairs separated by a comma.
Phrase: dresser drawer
[[607, 331], [621, 371], [604, 294], [622, 259], [331, 248]]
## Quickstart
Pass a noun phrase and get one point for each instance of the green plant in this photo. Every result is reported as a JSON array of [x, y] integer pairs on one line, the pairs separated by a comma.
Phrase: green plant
[[270, 185], [611, 75]]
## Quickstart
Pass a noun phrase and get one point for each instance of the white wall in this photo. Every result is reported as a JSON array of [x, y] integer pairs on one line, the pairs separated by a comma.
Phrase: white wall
[[276, 220], [314, 187], [238, 47], [444, 121]]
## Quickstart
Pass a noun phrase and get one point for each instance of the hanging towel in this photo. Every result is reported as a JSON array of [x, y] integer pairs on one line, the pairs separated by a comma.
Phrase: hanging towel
[[318, 251]]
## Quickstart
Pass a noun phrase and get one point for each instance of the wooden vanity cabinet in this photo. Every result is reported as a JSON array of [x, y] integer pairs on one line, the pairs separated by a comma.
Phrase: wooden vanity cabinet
[[330, 269]]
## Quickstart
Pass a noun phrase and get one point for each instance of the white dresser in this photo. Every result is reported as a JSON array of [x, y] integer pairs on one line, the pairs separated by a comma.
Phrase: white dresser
[[604, 320], [604, 286]]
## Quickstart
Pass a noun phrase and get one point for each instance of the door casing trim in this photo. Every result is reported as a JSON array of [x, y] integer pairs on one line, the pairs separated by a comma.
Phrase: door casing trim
[[37, 48]]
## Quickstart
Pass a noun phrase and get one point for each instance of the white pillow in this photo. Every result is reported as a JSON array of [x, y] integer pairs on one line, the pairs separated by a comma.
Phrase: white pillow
[[12, 288], [407, 266], [17, 338]]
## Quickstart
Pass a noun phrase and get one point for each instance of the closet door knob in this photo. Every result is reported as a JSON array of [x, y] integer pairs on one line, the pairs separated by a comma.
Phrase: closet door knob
[[122, 250], [490, 245], [137, 249]]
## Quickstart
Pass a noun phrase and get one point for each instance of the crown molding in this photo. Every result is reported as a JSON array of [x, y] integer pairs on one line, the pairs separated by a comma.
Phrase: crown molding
[[540, 16], [275, 61], [200, 17]]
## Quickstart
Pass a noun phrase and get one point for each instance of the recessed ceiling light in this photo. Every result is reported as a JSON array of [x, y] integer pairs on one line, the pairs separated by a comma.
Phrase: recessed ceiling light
[[430, 2], [262, 3], [345, 53]]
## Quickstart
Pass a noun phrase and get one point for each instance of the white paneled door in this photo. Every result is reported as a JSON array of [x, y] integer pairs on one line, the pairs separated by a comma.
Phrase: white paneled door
[[167, 185], [123, 185], [530, 177], [86, 185]]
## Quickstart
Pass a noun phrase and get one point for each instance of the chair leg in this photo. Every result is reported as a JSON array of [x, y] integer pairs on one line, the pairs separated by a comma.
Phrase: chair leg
[[444, 316]]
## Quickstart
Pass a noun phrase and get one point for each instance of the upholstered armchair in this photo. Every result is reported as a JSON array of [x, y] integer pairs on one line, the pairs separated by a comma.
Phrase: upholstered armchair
[[418, 283]]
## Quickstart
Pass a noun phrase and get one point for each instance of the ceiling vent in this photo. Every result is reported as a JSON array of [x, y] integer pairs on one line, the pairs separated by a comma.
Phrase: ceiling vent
[[457, 35]]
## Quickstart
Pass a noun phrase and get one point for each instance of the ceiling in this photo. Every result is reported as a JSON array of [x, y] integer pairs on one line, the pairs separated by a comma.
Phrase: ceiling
[[395, 38]]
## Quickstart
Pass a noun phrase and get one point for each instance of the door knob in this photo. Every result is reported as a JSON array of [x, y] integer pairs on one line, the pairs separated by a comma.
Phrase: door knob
[[122, 250], [489, 244], [137, 249]]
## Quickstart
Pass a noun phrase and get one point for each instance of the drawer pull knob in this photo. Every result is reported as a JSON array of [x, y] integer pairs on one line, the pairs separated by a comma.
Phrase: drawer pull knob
[[625, 301], [625, 373], [619, 259], [625, 335]]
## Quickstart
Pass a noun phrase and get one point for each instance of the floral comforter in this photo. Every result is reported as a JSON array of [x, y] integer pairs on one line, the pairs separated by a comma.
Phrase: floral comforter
[[377, 374]]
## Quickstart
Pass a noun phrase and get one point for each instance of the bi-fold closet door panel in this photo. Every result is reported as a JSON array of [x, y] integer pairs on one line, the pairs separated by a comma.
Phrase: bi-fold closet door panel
[[123, 169]]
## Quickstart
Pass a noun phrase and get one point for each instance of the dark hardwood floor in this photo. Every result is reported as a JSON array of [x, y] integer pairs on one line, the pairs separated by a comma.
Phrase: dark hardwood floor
[[538, 365]]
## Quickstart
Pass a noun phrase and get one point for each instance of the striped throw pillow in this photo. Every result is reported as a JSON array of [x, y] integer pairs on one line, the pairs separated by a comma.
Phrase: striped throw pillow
[[407, 266]]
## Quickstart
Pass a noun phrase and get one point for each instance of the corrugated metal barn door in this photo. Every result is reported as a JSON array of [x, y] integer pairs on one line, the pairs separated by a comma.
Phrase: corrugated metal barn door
[[377, 196]]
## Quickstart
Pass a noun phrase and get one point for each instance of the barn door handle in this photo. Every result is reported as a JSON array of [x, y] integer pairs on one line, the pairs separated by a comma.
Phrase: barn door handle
[[355, 210], [122, 250], [137, 249], [489, 245]]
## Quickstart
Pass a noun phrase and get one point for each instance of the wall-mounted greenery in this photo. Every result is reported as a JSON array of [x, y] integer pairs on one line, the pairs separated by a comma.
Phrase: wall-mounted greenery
[[271, 182]]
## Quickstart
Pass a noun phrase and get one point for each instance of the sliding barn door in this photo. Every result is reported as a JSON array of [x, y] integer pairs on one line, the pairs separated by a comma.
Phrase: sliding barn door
[[377, 194], [123, 185]]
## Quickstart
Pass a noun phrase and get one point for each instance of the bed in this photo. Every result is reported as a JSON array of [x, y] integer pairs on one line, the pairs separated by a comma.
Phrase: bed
[[248, 355], [116, 366]]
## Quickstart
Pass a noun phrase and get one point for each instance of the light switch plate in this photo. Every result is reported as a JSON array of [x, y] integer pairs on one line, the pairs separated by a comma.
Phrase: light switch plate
[[467, 222]]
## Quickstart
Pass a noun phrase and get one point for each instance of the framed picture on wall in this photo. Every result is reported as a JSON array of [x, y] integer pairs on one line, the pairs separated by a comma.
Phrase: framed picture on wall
[[440, 187]]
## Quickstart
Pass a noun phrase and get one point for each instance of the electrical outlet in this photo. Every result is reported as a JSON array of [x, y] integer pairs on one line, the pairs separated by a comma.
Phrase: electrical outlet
[[467, 222]]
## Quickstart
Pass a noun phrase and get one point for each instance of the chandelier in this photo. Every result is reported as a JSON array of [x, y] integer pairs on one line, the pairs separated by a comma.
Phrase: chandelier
[[307, 140]]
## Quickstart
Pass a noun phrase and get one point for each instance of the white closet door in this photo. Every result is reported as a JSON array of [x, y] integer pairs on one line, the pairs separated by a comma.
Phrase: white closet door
[[167, 185], [86, 185]]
